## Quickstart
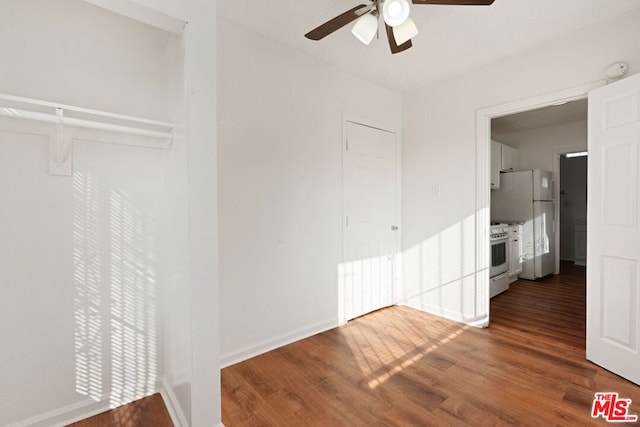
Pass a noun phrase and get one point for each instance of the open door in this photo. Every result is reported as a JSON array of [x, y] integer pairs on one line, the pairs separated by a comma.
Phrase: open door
[[613, 231]]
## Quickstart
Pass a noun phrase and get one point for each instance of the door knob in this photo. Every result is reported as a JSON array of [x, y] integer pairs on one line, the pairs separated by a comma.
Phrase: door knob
[[394, 228]]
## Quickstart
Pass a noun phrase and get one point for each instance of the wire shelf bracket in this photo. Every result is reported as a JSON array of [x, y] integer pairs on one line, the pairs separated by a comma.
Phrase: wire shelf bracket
[[61, 142]]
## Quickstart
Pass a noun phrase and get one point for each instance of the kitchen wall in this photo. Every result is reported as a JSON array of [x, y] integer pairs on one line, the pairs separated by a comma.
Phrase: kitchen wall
[[538, 148], [280, 188], [80, 256], [440, 149]]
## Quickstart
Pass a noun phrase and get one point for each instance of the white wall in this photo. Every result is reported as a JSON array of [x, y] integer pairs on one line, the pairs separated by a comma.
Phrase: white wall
[[440, 148], [63, 52], [201, 45], [280, 188], [176, 352], [538, 148], [79, 262], [80, 256]]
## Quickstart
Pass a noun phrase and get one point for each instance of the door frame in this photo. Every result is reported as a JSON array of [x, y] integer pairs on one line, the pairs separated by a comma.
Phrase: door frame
[[385, 127], [483, 169]]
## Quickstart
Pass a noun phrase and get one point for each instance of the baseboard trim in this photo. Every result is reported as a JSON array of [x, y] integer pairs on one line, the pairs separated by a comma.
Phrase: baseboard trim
[[479, 322], [67, 414], [237, 356], [88, 408], [82, 410], [173, 406]]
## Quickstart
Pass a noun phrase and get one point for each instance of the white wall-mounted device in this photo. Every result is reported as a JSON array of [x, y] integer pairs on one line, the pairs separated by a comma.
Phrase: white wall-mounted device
[[617, 70]]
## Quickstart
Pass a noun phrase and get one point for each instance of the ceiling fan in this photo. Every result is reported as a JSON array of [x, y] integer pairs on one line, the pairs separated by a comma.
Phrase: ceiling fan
[[399, 26]]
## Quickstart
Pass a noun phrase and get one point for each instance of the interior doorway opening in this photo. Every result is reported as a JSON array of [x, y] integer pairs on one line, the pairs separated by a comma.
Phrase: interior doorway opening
[[484, 118], [551, 139], [572, 200]]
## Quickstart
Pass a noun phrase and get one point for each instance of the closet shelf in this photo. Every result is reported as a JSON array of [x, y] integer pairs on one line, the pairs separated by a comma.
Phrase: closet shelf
[[31, 109]]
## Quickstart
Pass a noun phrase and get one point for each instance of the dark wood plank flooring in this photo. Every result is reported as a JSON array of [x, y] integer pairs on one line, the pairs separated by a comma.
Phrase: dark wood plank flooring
[[147, 412], [402, 367]]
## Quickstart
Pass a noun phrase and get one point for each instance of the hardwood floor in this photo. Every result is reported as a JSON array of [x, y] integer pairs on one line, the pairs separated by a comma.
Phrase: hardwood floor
[[399, 366], [147, 412]]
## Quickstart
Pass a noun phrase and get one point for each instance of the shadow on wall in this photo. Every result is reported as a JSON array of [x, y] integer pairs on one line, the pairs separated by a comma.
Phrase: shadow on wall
[[87, 278], [115, 294], [364, 285], [439, 274]]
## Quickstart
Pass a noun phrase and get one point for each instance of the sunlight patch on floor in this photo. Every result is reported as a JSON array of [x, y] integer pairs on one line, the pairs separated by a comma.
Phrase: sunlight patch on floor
[[380, 359], [408, 362]]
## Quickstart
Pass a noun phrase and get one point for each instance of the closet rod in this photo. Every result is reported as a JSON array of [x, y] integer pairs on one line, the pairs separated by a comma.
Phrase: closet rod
[[84, 110], [84, 123], [89, 124]]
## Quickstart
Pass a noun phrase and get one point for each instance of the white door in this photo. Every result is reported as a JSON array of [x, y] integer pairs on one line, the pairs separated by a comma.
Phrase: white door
[[613, 246], [370, 220]]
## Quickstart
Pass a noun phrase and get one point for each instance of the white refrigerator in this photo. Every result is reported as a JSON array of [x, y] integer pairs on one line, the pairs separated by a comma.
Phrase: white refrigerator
[[526, 197]]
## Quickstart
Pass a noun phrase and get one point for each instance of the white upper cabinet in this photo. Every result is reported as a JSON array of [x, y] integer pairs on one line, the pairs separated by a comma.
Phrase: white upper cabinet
[[503, 159], [509, 159]]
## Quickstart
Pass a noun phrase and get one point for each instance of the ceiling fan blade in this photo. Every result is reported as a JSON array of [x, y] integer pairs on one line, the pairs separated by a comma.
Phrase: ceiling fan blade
[[336, 23], [456, 2], [392, 42]]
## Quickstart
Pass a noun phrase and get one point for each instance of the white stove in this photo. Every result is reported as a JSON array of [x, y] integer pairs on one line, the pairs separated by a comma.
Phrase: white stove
[[499, 228], [499, 271]]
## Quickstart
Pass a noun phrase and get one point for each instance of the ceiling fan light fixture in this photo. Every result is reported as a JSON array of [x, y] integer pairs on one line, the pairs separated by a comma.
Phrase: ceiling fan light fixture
[[395, 12], [366, 27], [405, 31]]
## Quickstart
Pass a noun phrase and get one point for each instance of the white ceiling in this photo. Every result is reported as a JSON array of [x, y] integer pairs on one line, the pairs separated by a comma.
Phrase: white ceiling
[[452, 39], [541, 118]]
